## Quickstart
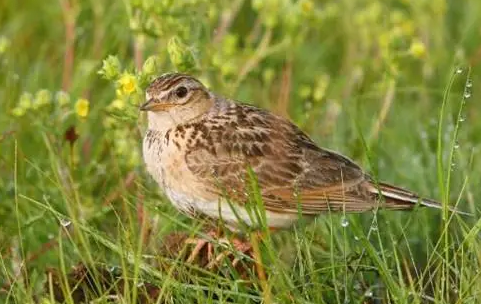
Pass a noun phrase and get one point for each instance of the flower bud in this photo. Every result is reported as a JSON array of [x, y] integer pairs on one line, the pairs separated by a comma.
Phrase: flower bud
[[18, 112], [180, 54], [42, 98], [4, 44], [63, 98], [110, 68], [151, 65], [26, 100]]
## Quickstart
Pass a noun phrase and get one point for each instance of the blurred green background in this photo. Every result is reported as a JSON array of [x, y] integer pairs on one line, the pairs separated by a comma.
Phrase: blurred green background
[[365, 77]]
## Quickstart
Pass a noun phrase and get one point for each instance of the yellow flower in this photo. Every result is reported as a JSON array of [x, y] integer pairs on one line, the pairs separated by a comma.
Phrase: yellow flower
[[128, 83], [417, 49], [82, 107]]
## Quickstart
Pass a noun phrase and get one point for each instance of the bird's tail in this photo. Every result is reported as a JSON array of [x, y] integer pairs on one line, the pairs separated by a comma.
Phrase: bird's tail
[[399, 198]]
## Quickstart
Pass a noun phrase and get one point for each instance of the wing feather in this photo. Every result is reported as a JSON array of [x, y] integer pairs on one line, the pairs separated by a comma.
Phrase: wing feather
[[288, 165]]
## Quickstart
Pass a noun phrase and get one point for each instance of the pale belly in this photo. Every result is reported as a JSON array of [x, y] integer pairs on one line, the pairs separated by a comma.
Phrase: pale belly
[[167, 166], [229, 213]]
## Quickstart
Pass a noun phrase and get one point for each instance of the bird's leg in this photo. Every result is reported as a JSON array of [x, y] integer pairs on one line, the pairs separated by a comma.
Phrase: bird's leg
[[239, 245], [216, 236], [234, 248], [201, 243]]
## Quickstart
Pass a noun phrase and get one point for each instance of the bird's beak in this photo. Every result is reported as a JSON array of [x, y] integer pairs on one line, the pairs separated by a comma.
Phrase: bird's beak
[[151, 105]]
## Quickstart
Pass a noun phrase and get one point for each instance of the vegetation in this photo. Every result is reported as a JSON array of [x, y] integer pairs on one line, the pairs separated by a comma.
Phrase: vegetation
[[392, 84]]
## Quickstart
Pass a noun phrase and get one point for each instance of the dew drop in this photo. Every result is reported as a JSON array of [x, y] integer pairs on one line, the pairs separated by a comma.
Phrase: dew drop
[[453, 166], [467, 94], [459, 70], [50, 236], [469, 84], [65, 222], [368, 293], [374, 226], [344, 222], [456, 145], [462, 119], [356, 238]]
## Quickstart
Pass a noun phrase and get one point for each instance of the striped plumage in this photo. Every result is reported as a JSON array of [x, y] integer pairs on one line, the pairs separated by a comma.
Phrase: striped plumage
[[198, 147]]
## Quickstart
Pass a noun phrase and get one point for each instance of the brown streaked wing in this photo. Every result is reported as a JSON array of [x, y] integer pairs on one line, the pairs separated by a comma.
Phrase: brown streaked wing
[[284, 160]]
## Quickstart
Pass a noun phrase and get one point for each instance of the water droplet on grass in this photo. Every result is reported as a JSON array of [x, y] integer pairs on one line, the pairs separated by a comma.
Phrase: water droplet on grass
[[456, 145], [469, 84], [459, 70], [344, 222], [462, 119], [467, 95], [368, 293], [65, 222], [374, 226]]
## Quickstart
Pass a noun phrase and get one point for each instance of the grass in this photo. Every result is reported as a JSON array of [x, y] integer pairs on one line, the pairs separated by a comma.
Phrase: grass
[[375, 80]]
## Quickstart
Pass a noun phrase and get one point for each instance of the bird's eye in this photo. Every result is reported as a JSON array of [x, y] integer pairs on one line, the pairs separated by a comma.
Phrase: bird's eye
[[181, 92]]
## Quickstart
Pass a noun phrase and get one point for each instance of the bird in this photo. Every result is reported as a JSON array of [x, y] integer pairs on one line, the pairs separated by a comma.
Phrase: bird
[[203, 149], [212, 155]]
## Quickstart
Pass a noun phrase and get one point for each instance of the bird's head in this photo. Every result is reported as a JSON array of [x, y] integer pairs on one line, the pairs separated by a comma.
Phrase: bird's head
[[175, 98]]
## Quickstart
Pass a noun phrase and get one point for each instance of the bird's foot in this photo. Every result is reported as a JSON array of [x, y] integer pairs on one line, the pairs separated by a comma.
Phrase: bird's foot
[[231, 247]]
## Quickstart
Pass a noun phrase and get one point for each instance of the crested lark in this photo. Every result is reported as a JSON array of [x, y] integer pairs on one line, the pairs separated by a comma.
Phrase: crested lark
[[199, 146]]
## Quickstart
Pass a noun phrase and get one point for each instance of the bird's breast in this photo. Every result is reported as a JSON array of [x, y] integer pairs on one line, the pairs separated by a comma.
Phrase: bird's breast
[[164, 157]]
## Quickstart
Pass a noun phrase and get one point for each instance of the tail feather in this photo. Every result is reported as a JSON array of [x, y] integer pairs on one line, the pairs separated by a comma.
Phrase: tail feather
[[399, 198]]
